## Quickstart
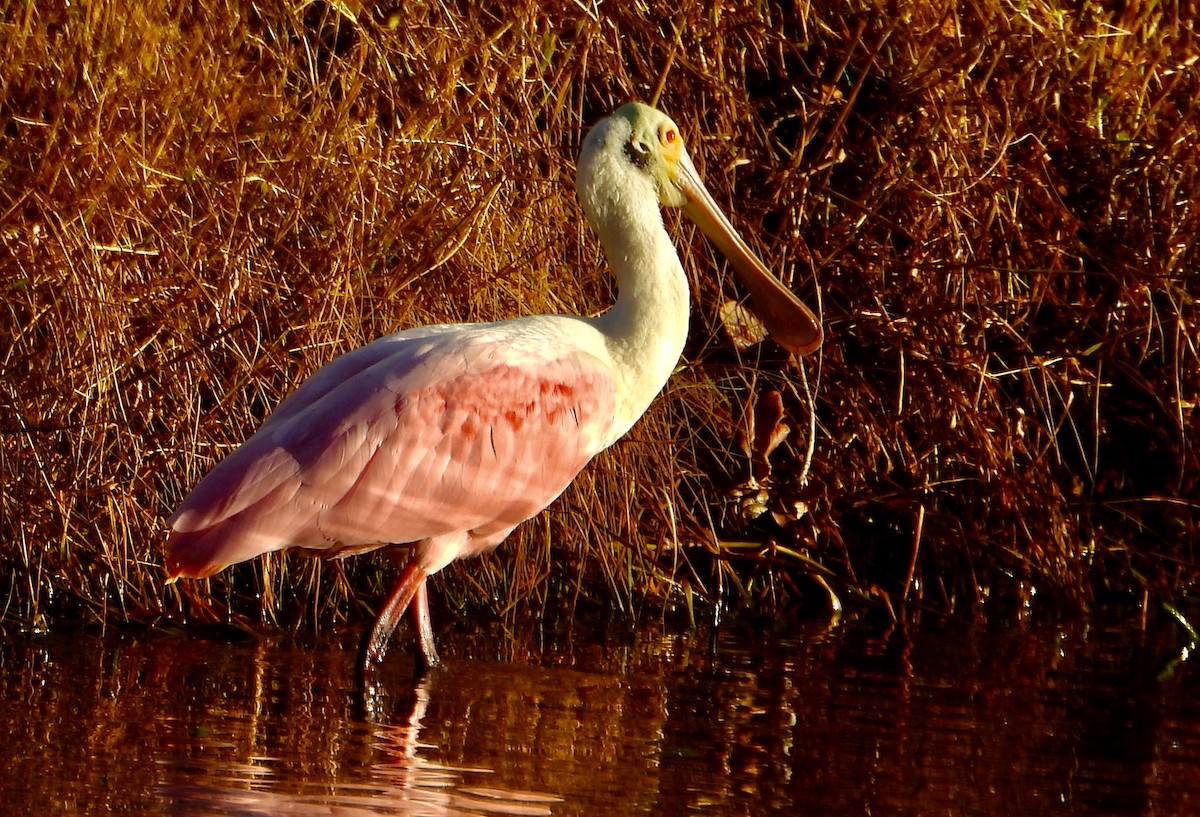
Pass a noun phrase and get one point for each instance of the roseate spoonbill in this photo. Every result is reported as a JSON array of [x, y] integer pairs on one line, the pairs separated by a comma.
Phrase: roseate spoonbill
[[442, 439]]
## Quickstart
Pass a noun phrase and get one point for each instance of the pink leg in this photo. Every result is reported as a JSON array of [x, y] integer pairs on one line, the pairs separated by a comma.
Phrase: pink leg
[[410, 584], [424, 627]]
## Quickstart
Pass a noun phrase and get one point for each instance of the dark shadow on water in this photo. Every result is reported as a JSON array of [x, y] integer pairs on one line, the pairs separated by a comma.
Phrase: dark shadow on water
[[764, 718]]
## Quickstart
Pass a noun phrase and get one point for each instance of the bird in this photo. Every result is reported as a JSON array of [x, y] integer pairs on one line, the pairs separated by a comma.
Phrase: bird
[[438, 441]]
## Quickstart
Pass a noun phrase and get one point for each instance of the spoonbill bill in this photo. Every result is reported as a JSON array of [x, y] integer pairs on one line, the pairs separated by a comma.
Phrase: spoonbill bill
[[442, 439]]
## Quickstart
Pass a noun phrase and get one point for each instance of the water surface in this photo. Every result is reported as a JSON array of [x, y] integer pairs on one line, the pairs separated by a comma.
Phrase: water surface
[[859, 719]]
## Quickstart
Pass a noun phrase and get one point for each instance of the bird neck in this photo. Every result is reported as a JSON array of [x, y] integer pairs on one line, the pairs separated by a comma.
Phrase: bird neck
[[646, 329]]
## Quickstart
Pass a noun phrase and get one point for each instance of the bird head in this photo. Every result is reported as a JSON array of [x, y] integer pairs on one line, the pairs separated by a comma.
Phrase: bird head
[[655, 146]]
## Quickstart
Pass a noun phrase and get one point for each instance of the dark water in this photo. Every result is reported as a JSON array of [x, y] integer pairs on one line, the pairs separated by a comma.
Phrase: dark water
[[854, 720]]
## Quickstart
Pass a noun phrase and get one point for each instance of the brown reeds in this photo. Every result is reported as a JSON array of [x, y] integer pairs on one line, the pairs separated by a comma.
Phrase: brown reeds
[[199, 205]]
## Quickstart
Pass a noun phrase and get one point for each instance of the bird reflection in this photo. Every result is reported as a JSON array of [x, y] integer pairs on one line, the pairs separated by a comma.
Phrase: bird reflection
[[401, 780]]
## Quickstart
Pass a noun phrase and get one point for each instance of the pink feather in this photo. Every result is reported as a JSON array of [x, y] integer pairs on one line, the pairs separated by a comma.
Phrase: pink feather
[[445, 432]]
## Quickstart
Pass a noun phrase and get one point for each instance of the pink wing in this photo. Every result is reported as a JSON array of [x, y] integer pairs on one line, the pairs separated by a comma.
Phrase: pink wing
[[333, 374], [427, 434]]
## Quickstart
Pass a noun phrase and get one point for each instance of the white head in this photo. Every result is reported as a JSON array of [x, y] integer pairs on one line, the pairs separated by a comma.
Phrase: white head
[[639, 152]]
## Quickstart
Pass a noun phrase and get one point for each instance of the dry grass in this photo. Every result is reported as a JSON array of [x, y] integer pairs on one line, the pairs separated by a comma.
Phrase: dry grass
[[201, 205]]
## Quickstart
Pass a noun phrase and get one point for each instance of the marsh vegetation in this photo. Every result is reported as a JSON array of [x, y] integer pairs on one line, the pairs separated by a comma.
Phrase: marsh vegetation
[[994, 206]]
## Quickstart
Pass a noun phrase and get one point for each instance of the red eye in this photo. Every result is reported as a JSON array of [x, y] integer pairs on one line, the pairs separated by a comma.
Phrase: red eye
[[669, 136]]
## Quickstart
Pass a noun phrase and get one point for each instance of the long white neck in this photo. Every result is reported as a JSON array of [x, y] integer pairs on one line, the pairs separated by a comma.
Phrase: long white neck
[[645, 331]]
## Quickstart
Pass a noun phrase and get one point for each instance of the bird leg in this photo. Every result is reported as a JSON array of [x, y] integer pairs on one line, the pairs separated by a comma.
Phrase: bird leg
[[410, 586], [424, 628]]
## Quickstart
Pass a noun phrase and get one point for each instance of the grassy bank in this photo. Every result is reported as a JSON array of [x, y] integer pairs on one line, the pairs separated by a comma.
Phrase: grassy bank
[[994, 207]]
